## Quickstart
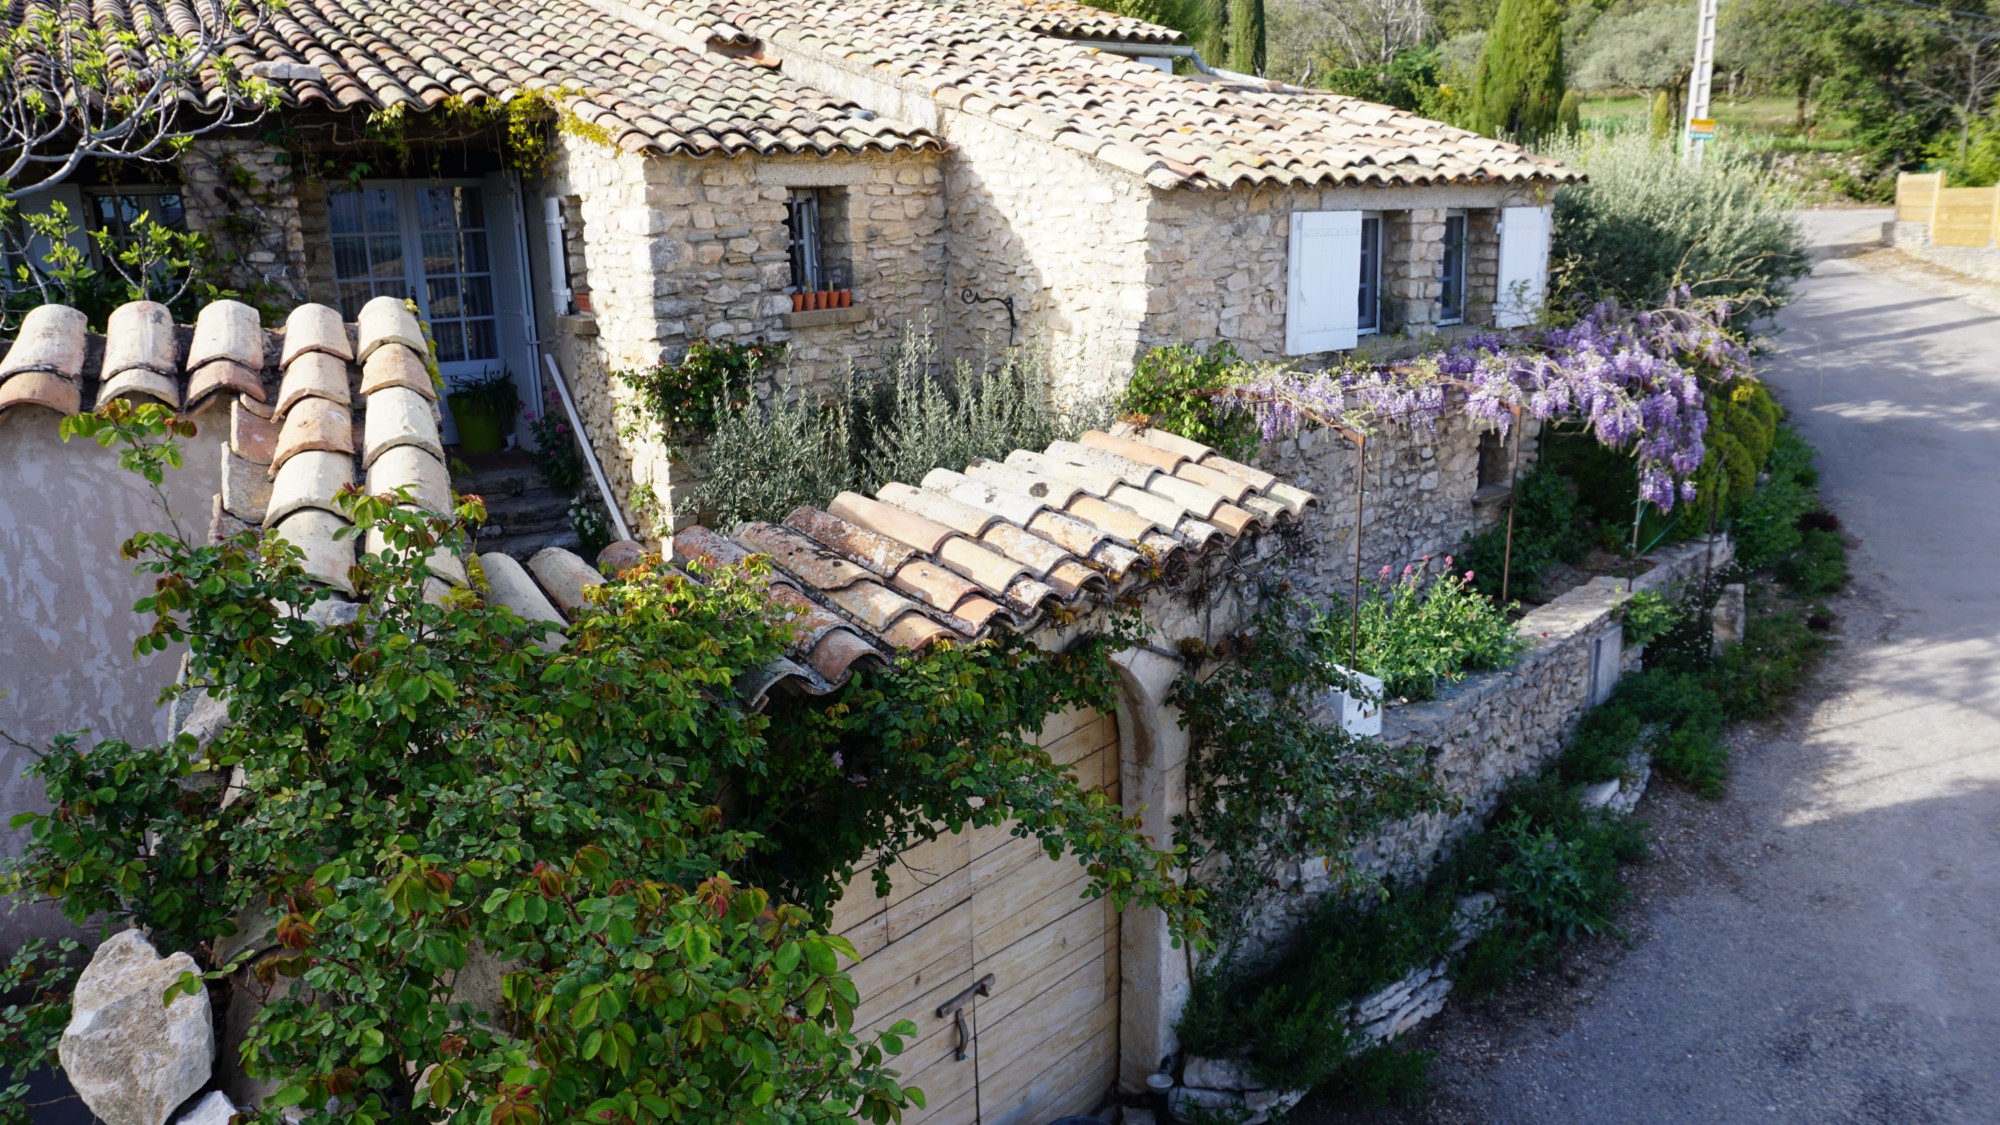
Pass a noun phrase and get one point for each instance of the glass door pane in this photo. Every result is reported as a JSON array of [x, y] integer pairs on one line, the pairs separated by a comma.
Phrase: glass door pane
[[458, 274], [368, 258]]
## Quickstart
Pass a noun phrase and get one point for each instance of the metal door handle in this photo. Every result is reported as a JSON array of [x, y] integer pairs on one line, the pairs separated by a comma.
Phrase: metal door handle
[[955, 1008]]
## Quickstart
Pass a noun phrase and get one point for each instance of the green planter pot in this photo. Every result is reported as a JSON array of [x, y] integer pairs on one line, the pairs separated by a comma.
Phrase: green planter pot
[[479, 431]]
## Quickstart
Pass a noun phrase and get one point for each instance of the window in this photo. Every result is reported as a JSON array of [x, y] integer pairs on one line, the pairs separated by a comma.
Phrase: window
[[423, 241], [1370, 288], [1451, 297], [117, 212], [802, 222]]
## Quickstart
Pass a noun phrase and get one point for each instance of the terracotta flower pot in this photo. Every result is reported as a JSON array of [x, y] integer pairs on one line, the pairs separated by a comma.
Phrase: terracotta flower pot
[[846, 298], [582, 300], [798, 302]]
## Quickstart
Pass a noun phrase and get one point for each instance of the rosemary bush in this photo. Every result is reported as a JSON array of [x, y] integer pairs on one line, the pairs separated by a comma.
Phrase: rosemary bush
[[1420, 629], [774, 450]]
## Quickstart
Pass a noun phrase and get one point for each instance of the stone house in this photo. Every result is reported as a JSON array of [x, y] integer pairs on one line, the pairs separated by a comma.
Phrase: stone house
[[996, 170]]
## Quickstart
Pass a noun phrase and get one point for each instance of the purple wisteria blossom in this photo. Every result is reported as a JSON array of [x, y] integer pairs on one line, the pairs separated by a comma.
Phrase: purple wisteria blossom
[[1633, 378]]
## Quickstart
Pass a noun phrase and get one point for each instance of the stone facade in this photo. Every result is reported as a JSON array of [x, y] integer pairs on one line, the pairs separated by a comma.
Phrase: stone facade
[[676, 249], [1064, 236], [1914, 239], [241, 194]]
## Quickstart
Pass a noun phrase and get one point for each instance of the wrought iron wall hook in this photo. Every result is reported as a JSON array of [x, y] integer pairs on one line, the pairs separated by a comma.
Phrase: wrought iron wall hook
[[955, 1008], [969, 297]]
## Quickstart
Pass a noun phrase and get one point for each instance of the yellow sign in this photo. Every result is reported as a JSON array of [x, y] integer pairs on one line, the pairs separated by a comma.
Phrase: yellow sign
[[1701, 128]]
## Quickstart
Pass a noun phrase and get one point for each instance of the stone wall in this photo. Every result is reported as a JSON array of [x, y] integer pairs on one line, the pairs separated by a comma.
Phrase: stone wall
[[1219, 263], [1060, 233], [679, 249], [241, 195], [1914, 239], [1422, 498]]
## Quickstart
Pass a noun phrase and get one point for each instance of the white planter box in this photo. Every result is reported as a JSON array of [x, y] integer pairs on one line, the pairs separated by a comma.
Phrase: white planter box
[[1359, 714]]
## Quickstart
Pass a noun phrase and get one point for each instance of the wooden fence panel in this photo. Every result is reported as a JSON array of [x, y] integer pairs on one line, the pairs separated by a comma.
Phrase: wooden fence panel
[[1916, 195], [1964, 217]]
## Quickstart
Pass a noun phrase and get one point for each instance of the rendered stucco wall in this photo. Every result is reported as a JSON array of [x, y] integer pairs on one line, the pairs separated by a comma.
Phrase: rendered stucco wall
[[66, 638]]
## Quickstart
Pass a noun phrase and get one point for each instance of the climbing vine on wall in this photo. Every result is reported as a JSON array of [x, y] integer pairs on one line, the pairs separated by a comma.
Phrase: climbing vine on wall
[[1272, 793]]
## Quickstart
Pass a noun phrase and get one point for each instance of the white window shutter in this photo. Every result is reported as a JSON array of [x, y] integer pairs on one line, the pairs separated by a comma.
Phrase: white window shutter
[[1323, 288], [1524, 266]]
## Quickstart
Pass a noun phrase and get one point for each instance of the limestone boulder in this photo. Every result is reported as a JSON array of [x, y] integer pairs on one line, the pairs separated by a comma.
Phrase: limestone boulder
[[215, 1109], [133, 1058]]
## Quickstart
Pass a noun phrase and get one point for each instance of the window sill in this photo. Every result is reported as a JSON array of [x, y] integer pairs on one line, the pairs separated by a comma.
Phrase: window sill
[[578, 324], [1489, 495], [815, 318]]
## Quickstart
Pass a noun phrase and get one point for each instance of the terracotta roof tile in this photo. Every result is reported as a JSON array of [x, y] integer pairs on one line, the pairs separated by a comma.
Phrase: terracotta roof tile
[[1002, 60], [630, 69]]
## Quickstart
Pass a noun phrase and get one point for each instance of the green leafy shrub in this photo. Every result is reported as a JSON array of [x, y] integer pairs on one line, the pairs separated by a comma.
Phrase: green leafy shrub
[[421, 783], [1648, 223], [1757, 677], [1818, 566], [1420, 629], [1173, 388], [1647, 614], [1384, 1075], [1270, 790], [1549, 529], [774, 450], [687, 399], [555, 454], [1768, 525]]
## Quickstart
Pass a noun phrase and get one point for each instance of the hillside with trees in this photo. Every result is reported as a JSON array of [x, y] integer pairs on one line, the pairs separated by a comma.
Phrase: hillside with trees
[[1840, 94]]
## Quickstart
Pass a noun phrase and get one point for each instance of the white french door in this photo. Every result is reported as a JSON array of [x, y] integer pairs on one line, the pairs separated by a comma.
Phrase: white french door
[[449, 245]]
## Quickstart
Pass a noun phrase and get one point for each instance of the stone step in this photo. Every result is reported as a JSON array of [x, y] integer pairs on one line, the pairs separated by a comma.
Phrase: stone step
[[536, 506], [523, 546]]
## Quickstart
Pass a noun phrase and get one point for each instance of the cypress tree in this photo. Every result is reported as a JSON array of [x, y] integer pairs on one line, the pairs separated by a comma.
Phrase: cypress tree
[[1208, 29], [1663, 117], [1518, 87], [1246, 36], [1569, 117]]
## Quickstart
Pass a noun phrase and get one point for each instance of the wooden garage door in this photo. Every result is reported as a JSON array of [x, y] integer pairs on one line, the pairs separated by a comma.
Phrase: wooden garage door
[[1044, 1041]]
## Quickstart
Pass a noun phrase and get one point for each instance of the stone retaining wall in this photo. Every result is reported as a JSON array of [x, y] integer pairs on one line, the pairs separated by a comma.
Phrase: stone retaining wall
[[1914, 239]]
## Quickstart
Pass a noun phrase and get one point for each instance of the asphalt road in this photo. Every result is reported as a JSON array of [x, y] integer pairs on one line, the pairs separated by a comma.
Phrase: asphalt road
[[1833, 951]]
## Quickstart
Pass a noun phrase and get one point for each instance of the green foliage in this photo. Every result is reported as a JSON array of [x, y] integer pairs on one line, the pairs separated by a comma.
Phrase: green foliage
[[1270, 789], [687, 400], [1819, 566], [422, 783], [1549, 529], [1415, 79], [1569, 115], [1173, 388], [772, 451], [1647, 224], [1291, 1015], [1246, 36], [1518, 88], [1384, 1075], [35, 983], [1768, 525], [1419, 630], [492, 394], [556, 455], [49, 264], [591, 525], [1660, 123], [1647, 614], [1973, 158], [1634, 47], [1759, 676]]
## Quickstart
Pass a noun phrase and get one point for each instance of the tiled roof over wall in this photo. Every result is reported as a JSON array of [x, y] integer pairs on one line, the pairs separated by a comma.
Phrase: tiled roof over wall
[[982, 57], [1014, 543], [648, 93]]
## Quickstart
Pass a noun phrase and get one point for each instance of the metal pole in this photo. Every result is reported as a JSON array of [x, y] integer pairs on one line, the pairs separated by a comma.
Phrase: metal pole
[[1354, 589], [589, 451], [1700, 82], [1513, 498]]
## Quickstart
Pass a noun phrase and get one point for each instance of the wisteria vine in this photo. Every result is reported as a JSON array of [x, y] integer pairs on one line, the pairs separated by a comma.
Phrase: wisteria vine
[[1633, 378]]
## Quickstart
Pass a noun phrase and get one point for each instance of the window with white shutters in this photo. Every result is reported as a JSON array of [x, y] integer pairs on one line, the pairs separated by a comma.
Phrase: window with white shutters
[[1322, 298], [1524, 265], [1451, 275]]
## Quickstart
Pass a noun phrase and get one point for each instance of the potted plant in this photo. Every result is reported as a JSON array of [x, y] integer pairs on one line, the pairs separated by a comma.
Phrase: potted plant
[[483, 407]]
